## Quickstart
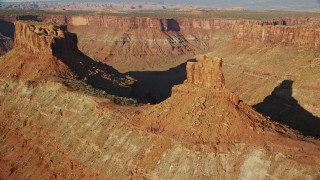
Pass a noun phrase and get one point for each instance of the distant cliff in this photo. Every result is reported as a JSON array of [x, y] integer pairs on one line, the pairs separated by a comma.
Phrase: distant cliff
[[169, 24], [301, 37], [143, 43], [138, 43]]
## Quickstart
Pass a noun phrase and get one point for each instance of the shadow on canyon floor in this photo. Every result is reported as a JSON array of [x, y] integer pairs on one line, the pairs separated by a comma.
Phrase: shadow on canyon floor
[[107, 79], [155, 86], [280, 106]]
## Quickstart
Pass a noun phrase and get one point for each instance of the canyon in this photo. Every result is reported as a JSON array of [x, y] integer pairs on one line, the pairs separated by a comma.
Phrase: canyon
[[116, 97]]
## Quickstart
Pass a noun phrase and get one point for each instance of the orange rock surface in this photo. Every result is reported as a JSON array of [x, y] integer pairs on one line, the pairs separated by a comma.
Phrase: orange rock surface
[[202, 131], [300, 37], [44, 51]]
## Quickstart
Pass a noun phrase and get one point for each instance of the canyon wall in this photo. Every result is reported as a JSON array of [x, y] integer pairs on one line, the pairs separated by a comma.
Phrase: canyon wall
[[47, 51], [163, 24], [141, 43], [44, 38], [299, 37], [300, 21]]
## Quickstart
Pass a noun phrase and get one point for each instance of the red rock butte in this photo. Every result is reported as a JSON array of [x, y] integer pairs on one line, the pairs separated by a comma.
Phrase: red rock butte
[[44, 38], [206, 72]]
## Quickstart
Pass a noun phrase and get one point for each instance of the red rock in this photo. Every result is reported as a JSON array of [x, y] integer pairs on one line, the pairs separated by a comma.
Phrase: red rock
[[207, 72], [300, 37], [44, 38]]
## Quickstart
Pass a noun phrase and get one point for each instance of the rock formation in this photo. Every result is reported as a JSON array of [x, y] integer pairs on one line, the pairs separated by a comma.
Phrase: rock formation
[[118, 41], [165, 41], [43, 38], [45, 50], [203, 112], [300, 37], [33, 56], [207, 72], [203, 131], [203, 102], [300, 21]]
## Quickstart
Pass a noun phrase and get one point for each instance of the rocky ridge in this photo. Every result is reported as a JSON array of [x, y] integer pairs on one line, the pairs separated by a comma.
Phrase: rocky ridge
[[168, 41], [44, 50], [43, 38], [299, 37], [165, 40]]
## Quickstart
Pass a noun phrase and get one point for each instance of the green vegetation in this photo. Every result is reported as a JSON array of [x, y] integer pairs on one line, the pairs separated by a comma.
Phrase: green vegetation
[[205, 14]]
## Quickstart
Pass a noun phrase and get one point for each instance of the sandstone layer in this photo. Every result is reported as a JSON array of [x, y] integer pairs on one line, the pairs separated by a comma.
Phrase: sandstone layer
[[212, 135], [141, 43], [299, 37], [43, 38], [46, 51]]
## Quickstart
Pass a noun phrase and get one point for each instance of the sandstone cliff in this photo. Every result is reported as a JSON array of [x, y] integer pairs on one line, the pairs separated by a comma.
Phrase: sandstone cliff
[[138, 43], [44, 50], [300, 21], [141, 43], [300, 37], [206, 72], [42, 38], [32, 56]]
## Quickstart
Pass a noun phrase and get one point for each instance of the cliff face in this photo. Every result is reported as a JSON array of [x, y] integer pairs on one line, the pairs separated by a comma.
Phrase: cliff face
[[141, 43], [43, 50], [144, 43], [206, 72], [147, 23], [298, 21], [138, 43], [164, 24], [44, 38], [33, 53], [300, 37]]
